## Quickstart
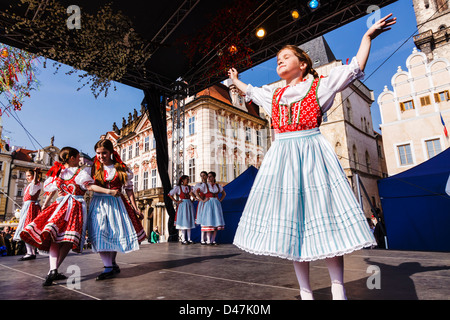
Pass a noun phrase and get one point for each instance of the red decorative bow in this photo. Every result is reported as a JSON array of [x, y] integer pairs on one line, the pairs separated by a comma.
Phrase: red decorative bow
[[119, 160], [57, 167]]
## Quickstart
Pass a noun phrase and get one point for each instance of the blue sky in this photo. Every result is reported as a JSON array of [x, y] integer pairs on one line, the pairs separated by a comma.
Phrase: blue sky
[[77, 118]]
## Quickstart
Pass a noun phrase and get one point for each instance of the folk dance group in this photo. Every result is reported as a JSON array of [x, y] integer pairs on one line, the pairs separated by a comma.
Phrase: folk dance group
[[301, 206], [112, 223], [209, 213]]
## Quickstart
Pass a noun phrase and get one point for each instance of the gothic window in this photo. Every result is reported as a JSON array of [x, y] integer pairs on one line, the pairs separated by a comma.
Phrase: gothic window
[[368, 162]]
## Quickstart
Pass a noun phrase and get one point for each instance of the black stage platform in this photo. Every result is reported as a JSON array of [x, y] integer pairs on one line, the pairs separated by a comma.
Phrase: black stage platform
[[171, 271]]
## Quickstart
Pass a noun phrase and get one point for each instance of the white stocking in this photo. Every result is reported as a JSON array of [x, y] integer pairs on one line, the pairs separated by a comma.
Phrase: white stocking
[[107, 259], [30, 249], [53, 256], [188, 234], [302, 272], [336, 269], [213, 237]]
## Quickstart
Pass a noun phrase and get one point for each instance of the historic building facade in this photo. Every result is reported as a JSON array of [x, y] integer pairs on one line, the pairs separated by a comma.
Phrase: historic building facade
[[415, 110], [411, 113]]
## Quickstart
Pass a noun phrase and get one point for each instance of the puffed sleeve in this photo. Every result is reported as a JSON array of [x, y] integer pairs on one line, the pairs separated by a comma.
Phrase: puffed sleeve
[[50, 185], [261, 96], [174, 191], [220, 187], [34, 188], [83, 179], [129, 183], [339, 78]]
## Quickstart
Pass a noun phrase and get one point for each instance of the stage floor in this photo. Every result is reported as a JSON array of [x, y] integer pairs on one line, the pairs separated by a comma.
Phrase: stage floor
[[171, 271]]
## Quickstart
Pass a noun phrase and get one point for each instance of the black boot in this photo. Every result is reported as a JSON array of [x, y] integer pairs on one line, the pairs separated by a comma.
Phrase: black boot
[[50, 278]]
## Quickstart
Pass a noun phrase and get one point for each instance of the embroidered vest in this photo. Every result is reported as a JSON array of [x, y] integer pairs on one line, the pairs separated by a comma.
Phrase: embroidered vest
[[69, 186], [185, 195], [304, 114], [210, 194], [114, 184]]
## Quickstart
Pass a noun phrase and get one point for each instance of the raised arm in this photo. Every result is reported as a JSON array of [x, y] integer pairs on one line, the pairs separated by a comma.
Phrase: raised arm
[[378, 27], [234, 76]]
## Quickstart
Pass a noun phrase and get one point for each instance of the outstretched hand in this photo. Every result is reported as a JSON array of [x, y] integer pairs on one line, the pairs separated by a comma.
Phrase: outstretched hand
[[381, 26], [233, 74]]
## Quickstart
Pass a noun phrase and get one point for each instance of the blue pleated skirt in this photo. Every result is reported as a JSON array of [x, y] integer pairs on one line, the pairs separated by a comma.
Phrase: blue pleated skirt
[[211, 215], [185, 218], [301, 206], [109, 226], [199, 212]]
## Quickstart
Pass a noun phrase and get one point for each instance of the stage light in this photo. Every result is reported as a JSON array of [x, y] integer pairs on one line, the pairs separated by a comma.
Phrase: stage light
[[295, 14], [260, 33], [313, 4], [233, 49]]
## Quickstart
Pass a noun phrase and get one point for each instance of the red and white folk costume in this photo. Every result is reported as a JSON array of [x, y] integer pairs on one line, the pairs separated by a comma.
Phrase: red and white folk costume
[[30, 209], [64, 221]]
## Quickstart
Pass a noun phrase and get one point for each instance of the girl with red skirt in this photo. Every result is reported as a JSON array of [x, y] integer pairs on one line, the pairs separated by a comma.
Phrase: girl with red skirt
[[30, 209], [61, 226]]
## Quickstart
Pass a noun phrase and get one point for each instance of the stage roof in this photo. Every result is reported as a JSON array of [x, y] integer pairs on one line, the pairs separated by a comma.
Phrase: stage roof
[[193, 40]]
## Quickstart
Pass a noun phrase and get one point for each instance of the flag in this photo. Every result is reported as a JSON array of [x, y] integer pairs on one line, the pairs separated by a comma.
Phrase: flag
[[443, 123]]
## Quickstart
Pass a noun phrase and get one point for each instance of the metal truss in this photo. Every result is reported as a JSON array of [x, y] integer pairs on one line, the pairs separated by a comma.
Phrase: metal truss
[[329, 16], [178, 116]]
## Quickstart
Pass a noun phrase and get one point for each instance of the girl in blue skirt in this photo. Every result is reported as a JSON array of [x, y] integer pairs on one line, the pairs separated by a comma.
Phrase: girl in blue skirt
[[114, 222], [200, 197], [301, 206], [211, 218], [185, 215]]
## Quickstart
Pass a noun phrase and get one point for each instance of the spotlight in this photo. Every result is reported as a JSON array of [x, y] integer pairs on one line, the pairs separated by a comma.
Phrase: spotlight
[[233, 49], [260, 33], [313, 4], [295, 14]]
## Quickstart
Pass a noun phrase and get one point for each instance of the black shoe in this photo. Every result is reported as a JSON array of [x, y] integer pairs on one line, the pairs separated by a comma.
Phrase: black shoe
[[106, 275], [27, 257], [60, 276], [50, 278], [184, 242], [116, 268]]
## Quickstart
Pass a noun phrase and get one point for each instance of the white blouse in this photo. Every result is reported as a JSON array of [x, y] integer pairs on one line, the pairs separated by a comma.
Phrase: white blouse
[[197, 186], [339, 78], [177, 190], [33, 188], [214, 189], [82, 179], [109, 172]]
